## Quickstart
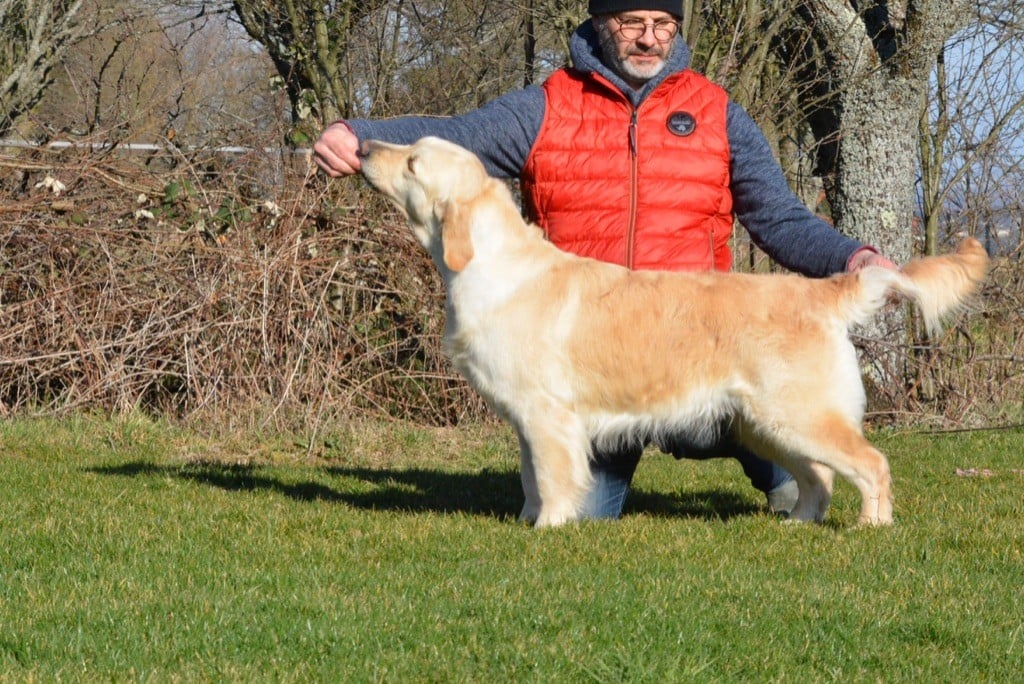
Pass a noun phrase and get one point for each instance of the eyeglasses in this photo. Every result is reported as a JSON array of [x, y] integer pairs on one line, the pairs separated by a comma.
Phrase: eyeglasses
[[631, 29]]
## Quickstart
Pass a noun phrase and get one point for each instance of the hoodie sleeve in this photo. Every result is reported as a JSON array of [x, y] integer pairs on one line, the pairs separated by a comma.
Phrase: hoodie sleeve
[[778, 222], [501, 132]]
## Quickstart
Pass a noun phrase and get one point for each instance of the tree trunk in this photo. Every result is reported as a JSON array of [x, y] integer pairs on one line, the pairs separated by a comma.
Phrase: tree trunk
[[879, 57], [876, 172], [879, 61]]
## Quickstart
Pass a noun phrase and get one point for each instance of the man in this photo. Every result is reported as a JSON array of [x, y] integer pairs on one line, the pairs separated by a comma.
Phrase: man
[[632, 158]]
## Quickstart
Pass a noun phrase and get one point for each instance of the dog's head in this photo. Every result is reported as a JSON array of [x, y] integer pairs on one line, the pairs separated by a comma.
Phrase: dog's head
[[433, 182]]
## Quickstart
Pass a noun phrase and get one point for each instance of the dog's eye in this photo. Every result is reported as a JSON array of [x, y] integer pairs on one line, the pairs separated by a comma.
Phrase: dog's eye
[[411, 164]]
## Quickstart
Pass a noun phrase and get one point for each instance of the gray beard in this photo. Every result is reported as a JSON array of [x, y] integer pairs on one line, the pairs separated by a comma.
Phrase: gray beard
[[627, 71]]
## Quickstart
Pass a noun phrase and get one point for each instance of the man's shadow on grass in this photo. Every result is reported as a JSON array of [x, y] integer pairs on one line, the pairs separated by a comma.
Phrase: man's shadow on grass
[[490, 493]]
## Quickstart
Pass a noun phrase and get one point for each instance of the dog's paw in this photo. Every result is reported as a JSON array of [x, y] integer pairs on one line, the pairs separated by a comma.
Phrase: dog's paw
[[875, 521], [530, 513], [550, 521], [876, 510], [803, 520], [553, 516]]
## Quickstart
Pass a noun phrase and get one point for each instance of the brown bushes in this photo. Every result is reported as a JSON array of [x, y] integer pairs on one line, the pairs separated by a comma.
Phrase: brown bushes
[[235, 288], [972, 375], [186, 292]]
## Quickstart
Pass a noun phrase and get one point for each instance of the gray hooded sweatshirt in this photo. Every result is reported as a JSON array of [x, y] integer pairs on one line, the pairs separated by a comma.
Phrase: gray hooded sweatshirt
[[503, 131]]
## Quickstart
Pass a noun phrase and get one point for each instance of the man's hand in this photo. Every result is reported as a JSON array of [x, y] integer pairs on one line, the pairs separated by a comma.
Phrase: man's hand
[[866, 256], [337, 151]]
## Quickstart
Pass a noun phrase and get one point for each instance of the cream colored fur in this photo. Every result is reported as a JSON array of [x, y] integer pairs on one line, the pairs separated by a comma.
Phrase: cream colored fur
[[572, 351]]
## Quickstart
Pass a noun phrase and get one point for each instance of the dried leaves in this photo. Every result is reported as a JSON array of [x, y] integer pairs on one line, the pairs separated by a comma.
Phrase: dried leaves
[[227, 295]]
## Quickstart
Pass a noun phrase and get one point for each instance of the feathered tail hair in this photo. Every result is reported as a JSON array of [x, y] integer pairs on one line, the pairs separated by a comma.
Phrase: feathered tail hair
[[940, 286]]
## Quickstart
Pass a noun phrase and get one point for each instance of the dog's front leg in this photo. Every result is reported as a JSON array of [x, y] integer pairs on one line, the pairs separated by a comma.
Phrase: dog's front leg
[[556, 470], [531, 506]]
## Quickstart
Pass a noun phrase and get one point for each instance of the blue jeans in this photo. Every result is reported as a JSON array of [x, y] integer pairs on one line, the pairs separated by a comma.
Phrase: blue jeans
[[613, 473]]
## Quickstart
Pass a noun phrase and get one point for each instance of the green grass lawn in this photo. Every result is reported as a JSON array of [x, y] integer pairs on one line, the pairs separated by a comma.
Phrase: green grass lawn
[[137, 551]]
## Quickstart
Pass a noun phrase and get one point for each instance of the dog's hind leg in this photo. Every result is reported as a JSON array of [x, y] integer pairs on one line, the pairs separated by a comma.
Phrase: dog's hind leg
[[814, 480], [556, 446], [831, 440], [815, 483], [866, 467]]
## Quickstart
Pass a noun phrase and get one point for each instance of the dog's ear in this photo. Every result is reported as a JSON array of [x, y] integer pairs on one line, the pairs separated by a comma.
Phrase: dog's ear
[[455, 235]]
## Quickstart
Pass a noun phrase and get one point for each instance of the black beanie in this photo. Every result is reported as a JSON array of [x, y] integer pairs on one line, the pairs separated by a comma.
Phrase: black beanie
[[613, 6]]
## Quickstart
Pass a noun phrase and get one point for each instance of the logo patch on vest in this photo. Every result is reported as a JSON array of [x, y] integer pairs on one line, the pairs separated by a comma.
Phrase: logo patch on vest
[[681, 123]]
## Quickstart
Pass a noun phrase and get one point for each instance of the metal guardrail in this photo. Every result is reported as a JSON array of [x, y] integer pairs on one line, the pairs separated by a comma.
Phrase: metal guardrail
[[146, 147]]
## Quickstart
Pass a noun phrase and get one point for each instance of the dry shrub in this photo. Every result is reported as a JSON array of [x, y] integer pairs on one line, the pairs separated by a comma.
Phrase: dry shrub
[[219, 287], [971, 376], [237, 288]]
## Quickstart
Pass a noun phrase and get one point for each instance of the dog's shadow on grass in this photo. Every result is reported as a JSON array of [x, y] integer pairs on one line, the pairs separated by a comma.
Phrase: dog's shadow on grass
[[490, 493]]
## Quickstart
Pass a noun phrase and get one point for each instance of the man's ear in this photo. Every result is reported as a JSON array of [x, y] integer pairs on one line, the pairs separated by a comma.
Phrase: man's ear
[[456, 222]]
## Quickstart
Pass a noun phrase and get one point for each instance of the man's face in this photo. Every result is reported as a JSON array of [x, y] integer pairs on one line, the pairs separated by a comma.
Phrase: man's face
[[636, 44]]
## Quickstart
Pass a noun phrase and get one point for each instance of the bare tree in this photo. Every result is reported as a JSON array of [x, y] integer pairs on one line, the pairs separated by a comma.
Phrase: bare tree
[[307, 41], [553, 22], [34, 37], [878, 58], [118, 82], [972, 131], [158, 75]]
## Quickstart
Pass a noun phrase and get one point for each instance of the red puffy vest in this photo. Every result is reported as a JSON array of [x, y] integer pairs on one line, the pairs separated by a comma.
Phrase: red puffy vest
[[645, 188]]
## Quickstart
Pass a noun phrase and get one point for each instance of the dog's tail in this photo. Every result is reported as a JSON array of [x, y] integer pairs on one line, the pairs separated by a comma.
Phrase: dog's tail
[[940, 286]]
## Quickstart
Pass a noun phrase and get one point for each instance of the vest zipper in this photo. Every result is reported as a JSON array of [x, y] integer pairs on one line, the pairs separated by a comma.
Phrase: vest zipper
[[634, 172]]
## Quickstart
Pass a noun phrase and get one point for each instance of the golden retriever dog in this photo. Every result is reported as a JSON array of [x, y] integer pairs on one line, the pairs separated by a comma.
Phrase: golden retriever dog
[[574, 352]]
